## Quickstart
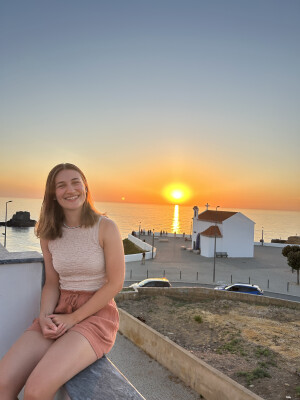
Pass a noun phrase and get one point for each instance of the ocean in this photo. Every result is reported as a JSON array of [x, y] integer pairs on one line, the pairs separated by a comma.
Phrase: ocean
[[171, 218]]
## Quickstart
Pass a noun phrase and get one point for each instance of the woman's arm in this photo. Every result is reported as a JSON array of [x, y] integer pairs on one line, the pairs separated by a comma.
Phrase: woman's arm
[[50, 296], [110, 240]]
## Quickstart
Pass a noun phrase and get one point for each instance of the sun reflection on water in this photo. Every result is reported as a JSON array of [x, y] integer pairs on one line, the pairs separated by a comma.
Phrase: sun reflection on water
[[175, 221]]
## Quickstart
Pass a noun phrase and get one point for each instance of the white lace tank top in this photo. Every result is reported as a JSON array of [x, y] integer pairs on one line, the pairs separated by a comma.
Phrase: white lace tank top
[[79, 259]]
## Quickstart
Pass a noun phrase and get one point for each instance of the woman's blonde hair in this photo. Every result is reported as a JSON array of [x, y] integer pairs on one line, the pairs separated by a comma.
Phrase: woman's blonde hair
[[49, 225]]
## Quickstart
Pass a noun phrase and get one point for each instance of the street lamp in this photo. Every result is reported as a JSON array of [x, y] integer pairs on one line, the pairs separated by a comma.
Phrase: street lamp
[[152, 243], [140, 230], [214, 272], [9, 201]]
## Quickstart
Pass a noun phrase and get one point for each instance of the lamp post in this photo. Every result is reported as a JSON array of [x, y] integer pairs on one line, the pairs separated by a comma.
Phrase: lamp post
[[262, 235], [214, 271], [152, 243], [9, 201], [140, 230]]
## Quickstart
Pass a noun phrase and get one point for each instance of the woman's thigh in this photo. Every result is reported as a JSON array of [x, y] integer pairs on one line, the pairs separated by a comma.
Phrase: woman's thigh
[[67, 356], [21, 359]]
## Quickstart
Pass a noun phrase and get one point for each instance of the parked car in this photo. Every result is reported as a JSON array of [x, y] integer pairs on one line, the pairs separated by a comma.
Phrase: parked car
[[241, 288], [151, 282]]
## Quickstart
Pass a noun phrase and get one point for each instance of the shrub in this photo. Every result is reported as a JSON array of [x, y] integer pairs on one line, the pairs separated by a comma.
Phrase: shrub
[[198, 319], [257, 373]]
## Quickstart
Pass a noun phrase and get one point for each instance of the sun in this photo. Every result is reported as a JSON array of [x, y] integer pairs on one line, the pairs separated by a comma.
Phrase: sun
[[176, 193]]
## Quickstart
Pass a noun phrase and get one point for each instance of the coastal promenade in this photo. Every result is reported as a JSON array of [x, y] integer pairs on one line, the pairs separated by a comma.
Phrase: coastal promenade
[[268, 268]]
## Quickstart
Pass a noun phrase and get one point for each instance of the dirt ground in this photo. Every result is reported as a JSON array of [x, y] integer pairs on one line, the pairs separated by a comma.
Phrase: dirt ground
[[257, 346]]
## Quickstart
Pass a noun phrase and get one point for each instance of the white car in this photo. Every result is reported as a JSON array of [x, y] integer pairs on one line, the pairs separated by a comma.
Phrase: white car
[[151, 282]]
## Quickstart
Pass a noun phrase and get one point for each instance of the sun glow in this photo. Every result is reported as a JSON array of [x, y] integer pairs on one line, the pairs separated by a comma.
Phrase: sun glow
[[177, 193]]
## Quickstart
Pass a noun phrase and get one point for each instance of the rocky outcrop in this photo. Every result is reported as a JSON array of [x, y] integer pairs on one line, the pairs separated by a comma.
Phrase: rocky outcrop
[[21, 219]]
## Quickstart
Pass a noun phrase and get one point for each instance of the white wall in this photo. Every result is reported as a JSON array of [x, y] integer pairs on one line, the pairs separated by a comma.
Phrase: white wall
[[238, 236], [208, 246], [143, 245], [20, 292]]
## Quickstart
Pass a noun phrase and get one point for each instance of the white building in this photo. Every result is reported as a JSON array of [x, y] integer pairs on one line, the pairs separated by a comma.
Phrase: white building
[[233, 233]]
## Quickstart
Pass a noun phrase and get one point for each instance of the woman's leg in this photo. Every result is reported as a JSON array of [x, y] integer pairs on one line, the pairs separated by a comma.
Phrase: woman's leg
[[67, 356], [19, 362]]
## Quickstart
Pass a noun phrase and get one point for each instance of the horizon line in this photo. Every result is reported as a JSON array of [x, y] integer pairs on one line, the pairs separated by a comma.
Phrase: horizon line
[[163, 204]]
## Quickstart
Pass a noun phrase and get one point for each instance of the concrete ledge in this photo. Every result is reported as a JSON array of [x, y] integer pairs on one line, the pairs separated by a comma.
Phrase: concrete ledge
[[201, 377], [101, 381]]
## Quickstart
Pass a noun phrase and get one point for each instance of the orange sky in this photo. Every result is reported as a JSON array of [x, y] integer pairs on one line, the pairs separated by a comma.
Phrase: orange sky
[[145, 184], [140, 97]]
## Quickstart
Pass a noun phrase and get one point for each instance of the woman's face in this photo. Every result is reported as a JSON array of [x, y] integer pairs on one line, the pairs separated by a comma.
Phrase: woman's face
[[70, 191]]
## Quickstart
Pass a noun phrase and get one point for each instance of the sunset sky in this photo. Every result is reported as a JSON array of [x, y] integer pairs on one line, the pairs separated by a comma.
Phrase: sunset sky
[[201, 95]]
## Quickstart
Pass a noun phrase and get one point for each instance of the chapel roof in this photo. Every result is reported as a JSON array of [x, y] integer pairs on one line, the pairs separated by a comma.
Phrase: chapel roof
[[215, 216], [212, 231]]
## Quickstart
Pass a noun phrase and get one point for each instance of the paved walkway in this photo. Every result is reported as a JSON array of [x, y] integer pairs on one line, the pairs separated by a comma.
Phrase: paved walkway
[[268, 268], [152, 380]]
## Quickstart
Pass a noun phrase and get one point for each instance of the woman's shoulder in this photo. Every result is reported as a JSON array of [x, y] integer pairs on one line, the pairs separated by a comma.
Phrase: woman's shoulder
[[106, 223], [108, 230]]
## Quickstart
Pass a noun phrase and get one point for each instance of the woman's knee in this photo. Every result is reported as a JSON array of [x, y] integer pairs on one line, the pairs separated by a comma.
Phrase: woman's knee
[[35, 390]]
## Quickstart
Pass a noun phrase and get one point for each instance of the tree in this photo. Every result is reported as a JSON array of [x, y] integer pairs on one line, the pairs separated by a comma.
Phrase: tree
[[293, 258], [285, 251]]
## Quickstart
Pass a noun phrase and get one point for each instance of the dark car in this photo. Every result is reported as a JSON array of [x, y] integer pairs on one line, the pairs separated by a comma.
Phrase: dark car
[[152, 282], [241, 288]]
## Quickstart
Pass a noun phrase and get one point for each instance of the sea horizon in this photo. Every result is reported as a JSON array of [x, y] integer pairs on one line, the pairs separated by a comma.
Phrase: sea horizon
[[272, 224], [7, 198]]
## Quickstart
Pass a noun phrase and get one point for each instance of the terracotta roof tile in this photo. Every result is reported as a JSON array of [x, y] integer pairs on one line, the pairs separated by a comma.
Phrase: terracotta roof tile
[[212, 231], [215, 216]]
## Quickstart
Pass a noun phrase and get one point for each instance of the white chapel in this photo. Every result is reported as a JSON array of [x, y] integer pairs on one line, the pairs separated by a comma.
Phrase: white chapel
[[231, 232]]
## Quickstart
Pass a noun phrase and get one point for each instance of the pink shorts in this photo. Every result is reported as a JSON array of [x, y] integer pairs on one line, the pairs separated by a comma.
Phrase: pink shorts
[[99, 329]]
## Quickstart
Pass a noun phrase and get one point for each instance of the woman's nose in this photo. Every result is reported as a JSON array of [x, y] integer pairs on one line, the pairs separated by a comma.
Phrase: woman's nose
[[70, 188]]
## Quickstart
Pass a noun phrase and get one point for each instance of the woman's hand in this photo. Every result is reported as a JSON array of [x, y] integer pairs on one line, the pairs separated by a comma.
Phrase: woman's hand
[[66, 320], [49, 329]]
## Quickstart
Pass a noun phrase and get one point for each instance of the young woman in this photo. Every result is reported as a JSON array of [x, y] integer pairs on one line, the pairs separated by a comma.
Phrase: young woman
[[78, 320]]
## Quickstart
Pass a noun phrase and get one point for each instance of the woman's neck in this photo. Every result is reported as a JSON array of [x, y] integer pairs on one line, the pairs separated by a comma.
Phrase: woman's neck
[[72, 219]]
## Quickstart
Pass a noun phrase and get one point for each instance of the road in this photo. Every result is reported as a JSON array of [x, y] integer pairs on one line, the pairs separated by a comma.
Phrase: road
[[193, 284]]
